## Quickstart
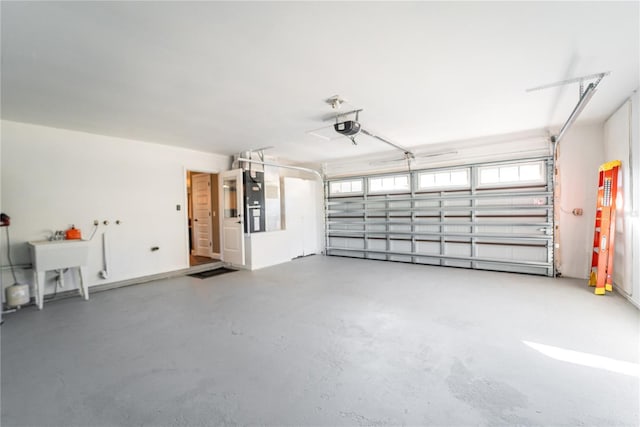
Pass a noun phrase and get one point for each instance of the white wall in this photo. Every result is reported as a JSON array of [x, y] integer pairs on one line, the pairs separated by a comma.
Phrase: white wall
[[617, 136], [635, 216], [52, 178], [580, 154], [266, 249], [622, 143]]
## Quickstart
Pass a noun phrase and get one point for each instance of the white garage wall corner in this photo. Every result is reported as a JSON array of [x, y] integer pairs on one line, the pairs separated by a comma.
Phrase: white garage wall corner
[[635, 179], [579, 156], [621, 142], [53, 178], [617, 139]]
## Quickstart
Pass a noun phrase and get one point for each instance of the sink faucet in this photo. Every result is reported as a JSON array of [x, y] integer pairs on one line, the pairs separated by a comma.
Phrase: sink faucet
[[58, 235]]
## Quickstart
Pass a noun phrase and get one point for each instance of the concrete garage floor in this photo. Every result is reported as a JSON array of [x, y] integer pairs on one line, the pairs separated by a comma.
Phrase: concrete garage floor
[[325, 341]]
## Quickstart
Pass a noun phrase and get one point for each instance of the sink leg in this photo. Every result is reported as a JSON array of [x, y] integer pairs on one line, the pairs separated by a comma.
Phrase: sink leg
[[36, 293], [60, 278], [84, 285], [39, 276], [81, 286]]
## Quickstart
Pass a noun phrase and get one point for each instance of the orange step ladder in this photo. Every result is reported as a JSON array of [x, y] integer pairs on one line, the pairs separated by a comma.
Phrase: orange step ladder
[[605, 228]]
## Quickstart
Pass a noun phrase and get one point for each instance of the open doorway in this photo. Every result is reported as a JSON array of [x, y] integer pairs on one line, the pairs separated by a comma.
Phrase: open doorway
[[203, 218]]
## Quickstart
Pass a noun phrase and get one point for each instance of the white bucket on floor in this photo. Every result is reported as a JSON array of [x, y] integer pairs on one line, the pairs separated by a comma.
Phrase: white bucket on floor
[[17, 295]]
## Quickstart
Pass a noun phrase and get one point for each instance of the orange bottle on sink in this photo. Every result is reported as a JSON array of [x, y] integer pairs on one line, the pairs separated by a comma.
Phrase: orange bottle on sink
[[73, 234]]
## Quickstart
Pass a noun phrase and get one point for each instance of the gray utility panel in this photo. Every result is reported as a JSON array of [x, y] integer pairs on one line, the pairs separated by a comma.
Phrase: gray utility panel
[[489, 216]]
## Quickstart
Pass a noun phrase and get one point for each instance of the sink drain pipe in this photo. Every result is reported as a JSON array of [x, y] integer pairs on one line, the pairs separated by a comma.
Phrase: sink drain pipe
[[105, 256]]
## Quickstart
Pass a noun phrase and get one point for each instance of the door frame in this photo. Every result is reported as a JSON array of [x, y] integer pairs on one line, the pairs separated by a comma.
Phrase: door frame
[[238, 176], [197, 219], [185, 211]]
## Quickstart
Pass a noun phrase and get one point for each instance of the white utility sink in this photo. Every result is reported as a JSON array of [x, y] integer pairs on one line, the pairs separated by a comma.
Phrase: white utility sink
[[56, 255]]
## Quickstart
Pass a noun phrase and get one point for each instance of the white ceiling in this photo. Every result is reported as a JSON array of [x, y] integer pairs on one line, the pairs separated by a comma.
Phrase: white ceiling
[[227, 77]]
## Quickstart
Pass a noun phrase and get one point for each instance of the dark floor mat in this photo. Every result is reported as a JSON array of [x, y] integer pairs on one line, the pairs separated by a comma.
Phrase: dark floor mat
[[211, 273]]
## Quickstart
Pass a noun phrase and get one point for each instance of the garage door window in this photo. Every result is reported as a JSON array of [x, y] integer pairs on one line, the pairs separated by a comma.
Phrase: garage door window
[[456, 178], [524, 173], [389, 184], [351, 186]]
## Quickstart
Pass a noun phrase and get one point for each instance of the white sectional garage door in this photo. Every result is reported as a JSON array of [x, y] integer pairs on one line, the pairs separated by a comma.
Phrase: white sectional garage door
[[489, 216]]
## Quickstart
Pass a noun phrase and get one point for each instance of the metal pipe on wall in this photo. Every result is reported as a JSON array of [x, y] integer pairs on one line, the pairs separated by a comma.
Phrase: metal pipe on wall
[[105, 257], [277, 165]]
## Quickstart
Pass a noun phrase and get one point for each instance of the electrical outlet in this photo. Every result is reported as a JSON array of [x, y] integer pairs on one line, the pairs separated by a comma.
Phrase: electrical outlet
[[96, 222]]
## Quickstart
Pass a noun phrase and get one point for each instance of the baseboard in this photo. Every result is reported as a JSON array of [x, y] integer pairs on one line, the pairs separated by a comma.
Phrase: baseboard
[[628, 297], [131, 282], [159, 276]]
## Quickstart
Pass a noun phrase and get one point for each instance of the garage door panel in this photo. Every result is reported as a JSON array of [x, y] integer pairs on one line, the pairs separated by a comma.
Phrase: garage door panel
[[428, 248], [400, 258], [347, 243], [504, 226], [399, 204], [458, 249], [457, 203], [400, 245], [512, 253], [455, 263], [427, 228], [376, 227], [400, 228], [428, 202], [355, 227], [377, 245], [511, 268], [350, 254], [377, 206], [458, 229], [427, 261]]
